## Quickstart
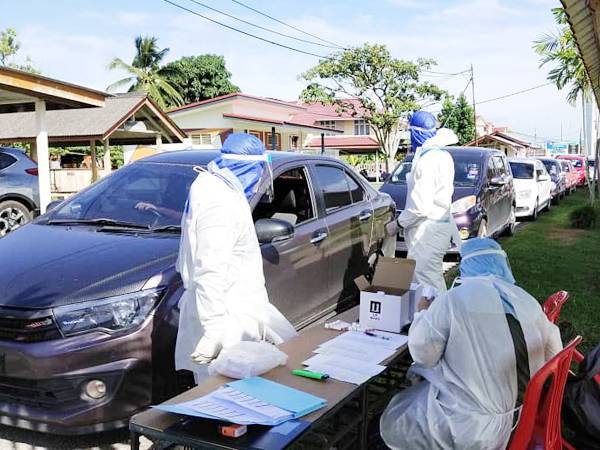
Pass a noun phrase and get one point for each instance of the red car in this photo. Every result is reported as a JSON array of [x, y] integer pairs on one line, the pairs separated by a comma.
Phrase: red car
[[571, 176], [579, 165]]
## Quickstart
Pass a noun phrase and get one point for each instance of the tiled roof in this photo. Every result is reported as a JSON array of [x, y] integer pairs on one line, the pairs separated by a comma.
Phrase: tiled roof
[[232, 96]]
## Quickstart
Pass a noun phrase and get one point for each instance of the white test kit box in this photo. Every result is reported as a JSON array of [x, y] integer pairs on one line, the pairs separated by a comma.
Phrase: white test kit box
[[389, 302]]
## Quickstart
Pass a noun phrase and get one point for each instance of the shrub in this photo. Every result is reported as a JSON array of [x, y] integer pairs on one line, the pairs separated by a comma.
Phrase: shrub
[[583, 217]]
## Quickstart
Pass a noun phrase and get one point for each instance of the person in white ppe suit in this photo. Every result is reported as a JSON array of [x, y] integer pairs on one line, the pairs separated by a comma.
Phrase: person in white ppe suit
[[426, 219], [476, 346], [225, 300]]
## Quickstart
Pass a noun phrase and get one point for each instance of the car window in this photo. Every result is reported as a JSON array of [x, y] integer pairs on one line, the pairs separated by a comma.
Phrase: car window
[[334, 184], [540, 170], [141, 193], [357, 193], [291, 198], [399, 175], [521, 170], [491, 170], [6, 160], [499, 166], [577, 163]]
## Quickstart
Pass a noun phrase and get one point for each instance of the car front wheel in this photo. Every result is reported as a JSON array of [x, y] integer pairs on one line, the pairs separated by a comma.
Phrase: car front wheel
[[13, 215], [512, 222], [534, 216]]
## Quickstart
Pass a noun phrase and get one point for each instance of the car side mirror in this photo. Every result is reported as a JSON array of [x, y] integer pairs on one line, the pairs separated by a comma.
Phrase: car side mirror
[[53, 204], [497, 181], [270, 231]]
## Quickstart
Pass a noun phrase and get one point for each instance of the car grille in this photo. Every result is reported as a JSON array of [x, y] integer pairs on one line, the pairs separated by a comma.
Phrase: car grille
[[38, 393], [28, 330]]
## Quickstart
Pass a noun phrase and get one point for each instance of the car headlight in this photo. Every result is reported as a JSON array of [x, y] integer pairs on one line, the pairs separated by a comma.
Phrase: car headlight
[[463, 204], [110, 314], [524, 194]]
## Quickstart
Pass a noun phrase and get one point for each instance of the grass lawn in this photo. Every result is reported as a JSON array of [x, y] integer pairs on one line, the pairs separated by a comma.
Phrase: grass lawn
[[547, 256]]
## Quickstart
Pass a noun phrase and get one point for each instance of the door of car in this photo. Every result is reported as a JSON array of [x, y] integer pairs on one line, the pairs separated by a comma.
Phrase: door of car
[[349, 217], [490, 200], [544, 185], [296, 269], [504, 191]]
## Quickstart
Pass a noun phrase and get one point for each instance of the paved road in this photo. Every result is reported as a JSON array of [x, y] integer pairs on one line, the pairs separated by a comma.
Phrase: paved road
[[16, 439]]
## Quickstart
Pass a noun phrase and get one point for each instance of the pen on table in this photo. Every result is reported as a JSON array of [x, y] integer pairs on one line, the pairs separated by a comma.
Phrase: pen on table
[[310, 374], [372, 334]]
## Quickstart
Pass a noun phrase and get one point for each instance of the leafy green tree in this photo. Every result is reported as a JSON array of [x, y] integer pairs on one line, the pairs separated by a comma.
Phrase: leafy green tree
[[388, 90], [201, 77], [458, 116], [146, 73], [9, 46], [560, 50]]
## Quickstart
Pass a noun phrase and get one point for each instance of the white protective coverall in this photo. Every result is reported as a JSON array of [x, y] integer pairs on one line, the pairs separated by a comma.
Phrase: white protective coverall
[[462, 347], [225, 300], [427, 221]]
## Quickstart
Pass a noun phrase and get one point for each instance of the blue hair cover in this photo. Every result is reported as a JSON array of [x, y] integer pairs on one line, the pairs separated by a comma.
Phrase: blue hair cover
[[248, 172], [422, 127], [482, 257]]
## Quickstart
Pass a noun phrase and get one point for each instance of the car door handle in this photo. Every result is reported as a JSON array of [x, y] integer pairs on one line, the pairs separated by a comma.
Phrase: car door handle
[[365, 215], [318, 237]]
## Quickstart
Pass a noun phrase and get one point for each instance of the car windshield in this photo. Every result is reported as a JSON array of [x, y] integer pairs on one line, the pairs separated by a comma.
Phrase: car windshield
[[577, 163], [523, 171], [140, 194], [551, 167], [467, 170]]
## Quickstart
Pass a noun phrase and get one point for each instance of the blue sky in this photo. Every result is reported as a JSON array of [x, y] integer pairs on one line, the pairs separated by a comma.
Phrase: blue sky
[[75, 39]]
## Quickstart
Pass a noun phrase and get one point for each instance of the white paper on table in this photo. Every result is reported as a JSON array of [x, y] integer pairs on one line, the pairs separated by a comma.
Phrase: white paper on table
[[357, 350], [333, 360], [341, 374], [357, 338]]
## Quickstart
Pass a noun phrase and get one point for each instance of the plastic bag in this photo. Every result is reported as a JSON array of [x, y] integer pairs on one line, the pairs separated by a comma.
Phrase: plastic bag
[[247, 359]]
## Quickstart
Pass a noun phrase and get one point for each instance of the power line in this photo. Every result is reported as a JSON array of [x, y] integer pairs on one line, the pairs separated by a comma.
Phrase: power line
[[286, 24], [231, 16], [243, 32], [513, 93]]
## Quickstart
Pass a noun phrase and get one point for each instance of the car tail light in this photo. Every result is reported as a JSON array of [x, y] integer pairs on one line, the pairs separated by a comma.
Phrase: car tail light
[[32, 171]]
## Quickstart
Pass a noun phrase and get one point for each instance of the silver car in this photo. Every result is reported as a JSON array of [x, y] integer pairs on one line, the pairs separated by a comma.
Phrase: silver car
[[19, 189]]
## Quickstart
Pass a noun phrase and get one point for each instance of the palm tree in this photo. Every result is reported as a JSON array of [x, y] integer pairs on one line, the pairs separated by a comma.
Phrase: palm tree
[[561, 50], [146, 74]]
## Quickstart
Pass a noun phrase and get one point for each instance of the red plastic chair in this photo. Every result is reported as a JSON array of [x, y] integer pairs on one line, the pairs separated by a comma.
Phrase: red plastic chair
[[539, 423], [554, 304]]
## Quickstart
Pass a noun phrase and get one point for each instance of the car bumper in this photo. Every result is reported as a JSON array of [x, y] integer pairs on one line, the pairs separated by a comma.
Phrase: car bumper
[[42, 383], [525, 207]]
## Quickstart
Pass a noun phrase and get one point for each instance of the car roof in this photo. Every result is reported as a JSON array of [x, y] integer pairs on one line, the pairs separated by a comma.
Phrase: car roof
[[13, 151], [478, 151], [203, 157], [524, 160]]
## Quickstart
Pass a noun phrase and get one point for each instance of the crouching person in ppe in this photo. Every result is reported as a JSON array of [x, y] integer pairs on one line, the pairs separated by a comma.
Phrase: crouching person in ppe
[[225, 300], [427, 220], [476, 346]]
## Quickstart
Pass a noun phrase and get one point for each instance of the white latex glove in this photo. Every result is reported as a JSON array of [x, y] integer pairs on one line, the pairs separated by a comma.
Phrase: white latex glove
[[206, 350]]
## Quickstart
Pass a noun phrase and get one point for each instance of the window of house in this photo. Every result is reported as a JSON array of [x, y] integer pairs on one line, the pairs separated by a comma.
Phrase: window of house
[[202, 139], [269, 141], [328, 124], [291, 199], [361, 127], [294, 142], [334, 183], [6, 160], [257, 134]]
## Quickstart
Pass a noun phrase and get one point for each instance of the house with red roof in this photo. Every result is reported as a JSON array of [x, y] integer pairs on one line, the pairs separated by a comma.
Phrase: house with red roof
[[281, 125]]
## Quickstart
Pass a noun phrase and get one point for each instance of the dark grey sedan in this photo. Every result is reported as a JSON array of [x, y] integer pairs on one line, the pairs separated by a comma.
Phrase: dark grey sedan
[[19, 189], [88, 325]]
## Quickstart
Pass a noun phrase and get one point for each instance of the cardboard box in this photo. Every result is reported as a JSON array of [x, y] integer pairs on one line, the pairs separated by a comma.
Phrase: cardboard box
[[390, 301]]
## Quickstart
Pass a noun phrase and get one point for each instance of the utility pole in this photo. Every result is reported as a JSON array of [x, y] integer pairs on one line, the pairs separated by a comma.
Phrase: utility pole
[[474, 113]]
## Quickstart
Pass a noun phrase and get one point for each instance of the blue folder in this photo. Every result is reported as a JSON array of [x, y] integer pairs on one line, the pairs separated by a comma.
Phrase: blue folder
[[297, 402]]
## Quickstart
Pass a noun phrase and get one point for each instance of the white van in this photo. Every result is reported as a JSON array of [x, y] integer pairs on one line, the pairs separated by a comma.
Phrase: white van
[[533, 187]]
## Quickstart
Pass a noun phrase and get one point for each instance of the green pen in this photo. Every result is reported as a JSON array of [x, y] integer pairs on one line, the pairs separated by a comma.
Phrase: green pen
[[309, 374]]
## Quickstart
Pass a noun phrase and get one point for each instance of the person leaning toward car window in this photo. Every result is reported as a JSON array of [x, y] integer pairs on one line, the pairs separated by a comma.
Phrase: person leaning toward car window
[[225, 300], [476, 346], [427, 220]]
